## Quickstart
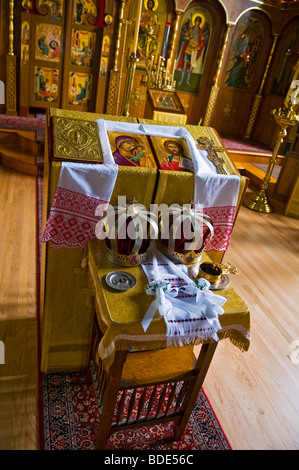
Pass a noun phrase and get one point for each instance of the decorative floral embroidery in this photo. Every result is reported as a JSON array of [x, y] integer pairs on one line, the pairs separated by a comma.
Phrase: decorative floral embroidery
[[71, 222], [223, 219]]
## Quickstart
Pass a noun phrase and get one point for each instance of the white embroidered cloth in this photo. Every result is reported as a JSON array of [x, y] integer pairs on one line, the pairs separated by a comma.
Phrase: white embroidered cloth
[[217, 193], [82, 188], [190, 310]]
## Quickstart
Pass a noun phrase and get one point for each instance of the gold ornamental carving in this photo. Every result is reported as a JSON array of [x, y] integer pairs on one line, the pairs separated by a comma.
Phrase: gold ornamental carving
[[215, 87], [229, 110], [11, 95], [138, 96], [207, 139], [76, 140], [203, 143], [258, 97], [113, 92], [11, 67], [211, 105]]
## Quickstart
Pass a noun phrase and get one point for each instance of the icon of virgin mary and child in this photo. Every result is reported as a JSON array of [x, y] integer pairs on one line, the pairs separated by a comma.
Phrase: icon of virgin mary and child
[[129, 152]]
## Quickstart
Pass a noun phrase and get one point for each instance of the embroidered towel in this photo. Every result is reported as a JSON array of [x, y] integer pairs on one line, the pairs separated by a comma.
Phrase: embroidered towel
[[81, 189], [190, 309], [218, 196]]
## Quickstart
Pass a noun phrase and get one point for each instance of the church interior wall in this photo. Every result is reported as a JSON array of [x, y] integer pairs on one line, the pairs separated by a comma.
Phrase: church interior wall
[[220, 67]]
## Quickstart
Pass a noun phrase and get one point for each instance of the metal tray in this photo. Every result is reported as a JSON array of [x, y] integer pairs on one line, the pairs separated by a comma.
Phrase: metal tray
[[120, 280]]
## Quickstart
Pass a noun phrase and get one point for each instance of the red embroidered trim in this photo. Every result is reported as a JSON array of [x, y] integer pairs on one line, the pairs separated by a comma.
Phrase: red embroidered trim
[[71, 222], [223, 219]]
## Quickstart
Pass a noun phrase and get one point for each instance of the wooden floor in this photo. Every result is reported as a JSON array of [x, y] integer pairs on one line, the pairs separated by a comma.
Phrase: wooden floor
[[254, 394], [18, 319]]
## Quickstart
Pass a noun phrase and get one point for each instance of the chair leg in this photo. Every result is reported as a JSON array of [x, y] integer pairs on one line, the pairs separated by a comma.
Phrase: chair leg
[[109, 399], [202, 366]]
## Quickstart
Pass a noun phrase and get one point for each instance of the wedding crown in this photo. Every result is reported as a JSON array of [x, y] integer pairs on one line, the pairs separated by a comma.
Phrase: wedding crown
[[184, 231], [127, 230]]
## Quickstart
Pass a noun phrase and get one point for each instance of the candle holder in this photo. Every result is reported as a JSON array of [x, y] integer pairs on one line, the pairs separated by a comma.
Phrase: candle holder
[[284, 117], [132, 62], [158, 76]]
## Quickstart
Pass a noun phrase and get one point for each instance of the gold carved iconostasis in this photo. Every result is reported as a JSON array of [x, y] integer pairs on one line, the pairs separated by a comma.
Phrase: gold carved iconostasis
[[63, 51], [222, 63]]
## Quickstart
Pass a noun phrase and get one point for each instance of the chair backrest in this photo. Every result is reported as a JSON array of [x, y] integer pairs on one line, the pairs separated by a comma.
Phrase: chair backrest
[[147, 387]]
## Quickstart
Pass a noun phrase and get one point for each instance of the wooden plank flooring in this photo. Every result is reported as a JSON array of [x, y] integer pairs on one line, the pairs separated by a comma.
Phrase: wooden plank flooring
[[18, 320], [254, 394]]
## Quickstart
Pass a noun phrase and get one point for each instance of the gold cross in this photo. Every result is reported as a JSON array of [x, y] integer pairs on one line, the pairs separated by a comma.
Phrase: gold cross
[[134, 201], [203, 143]]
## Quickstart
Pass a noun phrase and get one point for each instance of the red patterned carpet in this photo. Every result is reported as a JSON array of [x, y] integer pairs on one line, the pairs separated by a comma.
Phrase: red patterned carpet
[[244, 145], [36, 124], [20, 122], [70, 422]]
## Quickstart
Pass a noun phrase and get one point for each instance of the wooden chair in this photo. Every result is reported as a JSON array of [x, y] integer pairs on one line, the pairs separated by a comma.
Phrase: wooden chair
[[148, 387]]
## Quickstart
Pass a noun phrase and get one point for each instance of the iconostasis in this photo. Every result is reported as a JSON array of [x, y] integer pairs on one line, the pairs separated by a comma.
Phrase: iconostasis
[[62, 51], [214, 62]]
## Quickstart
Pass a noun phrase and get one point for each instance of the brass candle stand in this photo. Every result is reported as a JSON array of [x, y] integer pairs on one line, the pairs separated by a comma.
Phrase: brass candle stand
[[284, 117], [132, 62], [158, 76]]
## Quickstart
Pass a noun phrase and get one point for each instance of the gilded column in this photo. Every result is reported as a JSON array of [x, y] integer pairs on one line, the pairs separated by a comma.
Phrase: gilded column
[[258, 96], [115, 73], [132, 62], [120, 25], [11, 81], [215, 87]]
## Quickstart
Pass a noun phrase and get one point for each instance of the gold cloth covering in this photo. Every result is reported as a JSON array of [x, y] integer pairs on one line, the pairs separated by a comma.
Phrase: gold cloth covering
[[120, 313], [67, 313]]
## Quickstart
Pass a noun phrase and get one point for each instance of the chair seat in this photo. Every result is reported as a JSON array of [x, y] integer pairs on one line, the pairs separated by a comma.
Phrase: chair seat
[[163, 365]]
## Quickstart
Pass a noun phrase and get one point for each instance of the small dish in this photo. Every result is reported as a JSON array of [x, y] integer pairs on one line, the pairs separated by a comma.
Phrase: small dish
[[222, 284], [120, 280]]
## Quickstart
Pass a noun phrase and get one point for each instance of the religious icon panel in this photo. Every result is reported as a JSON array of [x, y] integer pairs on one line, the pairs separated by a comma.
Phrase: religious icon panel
[[165, 101], [82, 50], [197, 25], [48, 42], [151, 30], [287, 65], [25, 40], [245, 48], [46, 82], [172, 153], [150, 151], [82, 10], [131, 149], [79, 89]]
